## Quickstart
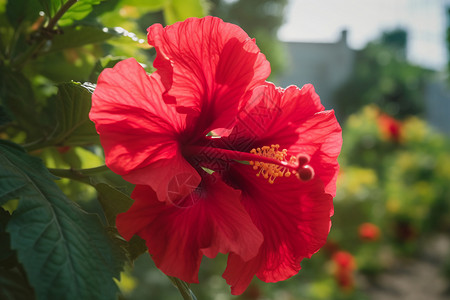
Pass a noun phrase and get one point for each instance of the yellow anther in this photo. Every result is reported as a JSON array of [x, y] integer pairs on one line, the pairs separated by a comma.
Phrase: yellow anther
[[272, 171]]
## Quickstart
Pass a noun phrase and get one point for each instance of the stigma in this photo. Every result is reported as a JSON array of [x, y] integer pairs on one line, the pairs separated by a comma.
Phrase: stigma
[[283, 166]]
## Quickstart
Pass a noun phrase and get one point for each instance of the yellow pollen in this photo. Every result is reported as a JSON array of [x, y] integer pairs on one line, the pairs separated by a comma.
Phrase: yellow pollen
[[272, 171]]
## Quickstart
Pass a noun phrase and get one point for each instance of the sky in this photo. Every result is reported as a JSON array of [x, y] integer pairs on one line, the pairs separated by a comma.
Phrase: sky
[[323, 21]]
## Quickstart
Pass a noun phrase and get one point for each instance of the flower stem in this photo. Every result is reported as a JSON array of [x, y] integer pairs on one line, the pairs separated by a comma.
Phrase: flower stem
[[46, 34]]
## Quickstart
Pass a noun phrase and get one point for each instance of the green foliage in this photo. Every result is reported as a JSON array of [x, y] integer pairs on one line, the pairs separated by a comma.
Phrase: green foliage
[[57, 235], [383, 77], [69, 117], [21, 11], [63, 249], [261, 19], [179, 10]]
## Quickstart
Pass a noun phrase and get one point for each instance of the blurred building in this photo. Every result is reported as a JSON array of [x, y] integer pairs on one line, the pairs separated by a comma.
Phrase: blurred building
[[325, 65], [437, 97], [328, 65]]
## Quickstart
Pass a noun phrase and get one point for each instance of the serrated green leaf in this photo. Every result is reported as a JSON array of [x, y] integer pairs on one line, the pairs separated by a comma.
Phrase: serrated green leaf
[[70, 115], [113, 201], [64, 251], [180, 10]]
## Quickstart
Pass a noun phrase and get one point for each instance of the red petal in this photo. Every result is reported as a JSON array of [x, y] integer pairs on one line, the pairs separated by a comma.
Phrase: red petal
[[294, 119], [178, 237], [206, 67], [171, 179], [137, 128], [294, 218]]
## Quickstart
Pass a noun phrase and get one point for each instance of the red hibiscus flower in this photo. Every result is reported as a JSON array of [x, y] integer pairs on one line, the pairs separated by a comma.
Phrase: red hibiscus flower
[[390, 128], [344, 268], [222, 161], [369, 232]]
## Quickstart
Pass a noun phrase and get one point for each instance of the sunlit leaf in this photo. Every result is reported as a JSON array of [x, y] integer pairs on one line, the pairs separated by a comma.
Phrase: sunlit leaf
[[77, 9], [64, 251], [179, 10], [76, 36], [147, 6], [103, 63]]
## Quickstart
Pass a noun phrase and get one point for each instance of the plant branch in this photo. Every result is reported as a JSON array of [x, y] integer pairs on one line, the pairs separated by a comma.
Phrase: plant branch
[[59, 14], [46, 33], [81, 175]]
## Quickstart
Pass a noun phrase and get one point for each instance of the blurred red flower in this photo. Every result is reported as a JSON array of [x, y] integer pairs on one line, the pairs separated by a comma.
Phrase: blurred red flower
[[205, 138], [344, 267], [369, 232], [390, 128]]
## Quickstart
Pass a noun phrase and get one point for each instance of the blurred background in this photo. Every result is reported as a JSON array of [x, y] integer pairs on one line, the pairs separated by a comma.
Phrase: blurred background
[[383, 67]]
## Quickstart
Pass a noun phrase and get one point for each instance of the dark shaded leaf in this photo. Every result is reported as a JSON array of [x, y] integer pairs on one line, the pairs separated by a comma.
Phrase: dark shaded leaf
[[19, 11], [17, 99], [70, 115], [7, 255], [113, 201], [65, 251], [14, 285]]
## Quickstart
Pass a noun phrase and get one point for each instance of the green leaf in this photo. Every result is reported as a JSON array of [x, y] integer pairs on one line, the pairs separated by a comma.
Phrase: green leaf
[[19, 11], [103, 63], [17, 99], [14, 285], [7, 255], [69, 113], [77, 36], [180, 10], [147, 6], [78, 11], [113, 201], [64, 250]]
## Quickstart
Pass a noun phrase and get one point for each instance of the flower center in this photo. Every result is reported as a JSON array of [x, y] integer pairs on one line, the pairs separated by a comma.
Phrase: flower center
[[295, 165], [269, 161]]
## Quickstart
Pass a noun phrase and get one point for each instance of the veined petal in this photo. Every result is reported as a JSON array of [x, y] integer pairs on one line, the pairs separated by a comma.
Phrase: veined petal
[[171, 179], [136, 127], [294, 119], [208, 221], [294, 218], [207, 66]]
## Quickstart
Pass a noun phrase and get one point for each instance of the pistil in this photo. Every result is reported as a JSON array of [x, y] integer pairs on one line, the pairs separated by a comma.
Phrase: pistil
[[269, 161]]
